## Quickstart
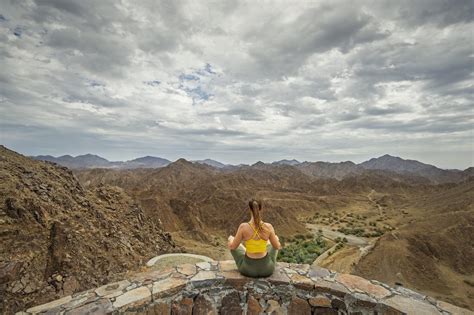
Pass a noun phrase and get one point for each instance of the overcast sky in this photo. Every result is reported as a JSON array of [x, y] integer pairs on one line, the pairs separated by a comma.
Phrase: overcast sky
[[239, 81]]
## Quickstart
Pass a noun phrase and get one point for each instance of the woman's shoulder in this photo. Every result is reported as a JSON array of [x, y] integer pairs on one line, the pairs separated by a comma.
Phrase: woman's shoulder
[[244, 225], [268, 226]]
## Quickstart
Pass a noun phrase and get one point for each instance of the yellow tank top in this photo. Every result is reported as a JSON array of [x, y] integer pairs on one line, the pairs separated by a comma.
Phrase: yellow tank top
[[255, 246]]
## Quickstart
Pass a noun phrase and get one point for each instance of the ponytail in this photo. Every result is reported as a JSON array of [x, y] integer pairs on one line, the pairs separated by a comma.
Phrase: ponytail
[[256, 208]]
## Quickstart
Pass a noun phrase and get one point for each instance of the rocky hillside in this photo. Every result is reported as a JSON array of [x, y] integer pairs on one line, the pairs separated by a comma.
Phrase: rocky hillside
[[200, 199], [204, 201], [434, 250], [58, 238]]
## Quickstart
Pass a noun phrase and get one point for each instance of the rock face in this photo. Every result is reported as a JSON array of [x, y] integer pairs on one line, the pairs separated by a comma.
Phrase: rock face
[[223, 290], [58, 238]]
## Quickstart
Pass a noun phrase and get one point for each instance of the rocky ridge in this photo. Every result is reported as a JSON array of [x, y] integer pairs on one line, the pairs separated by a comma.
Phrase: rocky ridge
[[59, 238]]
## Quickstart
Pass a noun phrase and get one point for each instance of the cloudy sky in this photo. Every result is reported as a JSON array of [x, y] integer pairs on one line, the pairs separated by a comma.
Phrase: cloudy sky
[[239, 81]]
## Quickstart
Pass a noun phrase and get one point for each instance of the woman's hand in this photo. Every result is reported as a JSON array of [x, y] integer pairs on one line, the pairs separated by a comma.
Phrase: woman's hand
[[234, 242], [274, 239], [230, 239]]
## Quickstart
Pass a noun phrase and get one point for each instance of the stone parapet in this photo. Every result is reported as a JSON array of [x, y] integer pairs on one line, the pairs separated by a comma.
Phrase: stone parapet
[[218, 288]]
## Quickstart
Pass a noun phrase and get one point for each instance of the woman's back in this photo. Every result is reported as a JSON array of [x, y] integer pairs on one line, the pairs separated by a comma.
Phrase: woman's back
[[256, 243]]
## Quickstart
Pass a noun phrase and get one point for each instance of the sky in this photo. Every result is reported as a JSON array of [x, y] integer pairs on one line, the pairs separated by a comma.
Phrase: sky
[[239, 81]]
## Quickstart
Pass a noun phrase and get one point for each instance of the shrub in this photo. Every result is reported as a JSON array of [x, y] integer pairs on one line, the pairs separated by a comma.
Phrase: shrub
[[302, 251], [299, 236]]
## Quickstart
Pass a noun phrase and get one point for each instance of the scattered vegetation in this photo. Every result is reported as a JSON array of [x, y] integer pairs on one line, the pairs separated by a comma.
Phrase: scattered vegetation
[[302, 249], [352, 231]]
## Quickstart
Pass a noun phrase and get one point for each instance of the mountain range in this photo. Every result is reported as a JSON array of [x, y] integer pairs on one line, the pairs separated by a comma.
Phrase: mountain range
[[95, 161], [337, 170]]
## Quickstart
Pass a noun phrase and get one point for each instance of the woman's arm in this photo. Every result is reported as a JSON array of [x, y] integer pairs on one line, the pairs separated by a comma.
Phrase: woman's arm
[[234, 242], [274, 240]]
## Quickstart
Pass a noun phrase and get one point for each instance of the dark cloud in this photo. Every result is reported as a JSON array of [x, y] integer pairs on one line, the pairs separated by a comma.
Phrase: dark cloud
[[387, 110], [71, 7], [280, 47], [440, 13], [435, 125], [243, 114]]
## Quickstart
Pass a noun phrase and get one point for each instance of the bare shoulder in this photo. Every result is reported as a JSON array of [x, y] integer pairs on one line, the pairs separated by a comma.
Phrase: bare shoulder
[[243, 226], [269, 227]]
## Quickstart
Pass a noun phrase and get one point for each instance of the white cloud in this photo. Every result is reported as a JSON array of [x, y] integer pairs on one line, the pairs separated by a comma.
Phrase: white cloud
[[238, 81]]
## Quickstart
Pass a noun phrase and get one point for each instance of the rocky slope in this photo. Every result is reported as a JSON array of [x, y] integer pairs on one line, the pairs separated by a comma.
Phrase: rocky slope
[[199, 199], [434, 250], [203, 201], [58, 238]]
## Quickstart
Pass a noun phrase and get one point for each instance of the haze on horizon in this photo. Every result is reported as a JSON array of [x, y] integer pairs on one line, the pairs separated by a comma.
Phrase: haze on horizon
[[239, 81]]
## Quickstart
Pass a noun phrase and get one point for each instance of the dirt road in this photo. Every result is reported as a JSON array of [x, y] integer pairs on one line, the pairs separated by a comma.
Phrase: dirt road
[[362, 245], [332, 235]]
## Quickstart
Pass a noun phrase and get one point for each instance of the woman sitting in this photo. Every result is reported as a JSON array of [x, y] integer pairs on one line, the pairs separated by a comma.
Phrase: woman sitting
[[258, 257]]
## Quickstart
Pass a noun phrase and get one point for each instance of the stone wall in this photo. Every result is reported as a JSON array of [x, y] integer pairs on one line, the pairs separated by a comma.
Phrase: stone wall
[[218, 288]]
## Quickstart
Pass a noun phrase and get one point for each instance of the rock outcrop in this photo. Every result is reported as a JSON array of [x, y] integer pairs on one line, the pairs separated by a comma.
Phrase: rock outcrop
[[58, 238]]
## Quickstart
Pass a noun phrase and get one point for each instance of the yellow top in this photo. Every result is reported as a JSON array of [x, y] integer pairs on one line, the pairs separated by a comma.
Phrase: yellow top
[[255, 246]]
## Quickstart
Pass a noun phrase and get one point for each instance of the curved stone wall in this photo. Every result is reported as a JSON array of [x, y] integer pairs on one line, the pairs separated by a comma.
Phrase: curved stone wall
[[218, 288]]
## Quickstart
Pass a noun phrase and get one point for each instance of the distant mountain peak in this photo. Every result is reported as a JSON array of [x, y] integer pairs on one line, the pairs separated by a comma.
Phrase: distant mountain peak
[[148, 158], [388, 156], [396, 164], [181, 161], [95, 161], [287, 162], [210, 162]]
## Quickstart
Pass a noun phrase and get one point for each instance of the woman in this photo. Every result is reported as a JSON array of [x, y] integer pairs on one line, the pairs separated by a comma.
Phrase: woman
[[257, 258]]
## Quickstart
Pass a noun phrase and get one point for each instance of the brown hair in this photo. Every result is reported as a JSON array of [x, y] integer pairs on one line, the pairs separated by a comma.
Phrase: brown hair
[[256, 209]]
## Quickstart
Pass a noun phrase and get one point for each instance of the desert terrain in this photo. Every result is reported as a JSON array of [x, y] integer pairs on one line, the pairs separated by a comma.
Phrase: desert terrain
[[412, 228], [64, 231]]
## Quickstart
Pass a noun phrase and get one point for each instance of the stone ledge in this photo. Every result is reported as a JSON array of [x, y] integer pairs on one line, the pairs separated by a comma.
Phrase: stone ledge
[[217, 287]]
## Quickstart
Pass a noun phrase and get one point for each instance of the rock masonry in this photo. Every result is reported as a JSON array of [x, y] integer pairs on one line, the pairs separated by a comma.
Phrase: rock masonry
[[218, 288]]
